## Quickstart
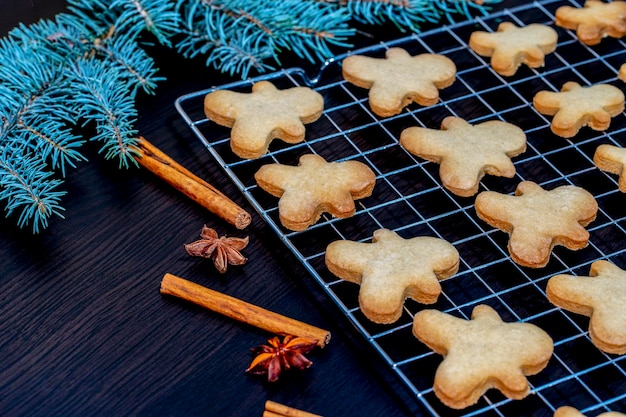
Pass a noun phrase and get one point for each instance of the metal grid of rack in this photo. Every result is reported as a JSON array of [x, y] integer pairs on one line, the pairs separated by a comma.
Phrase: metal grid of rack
[[409, 199]]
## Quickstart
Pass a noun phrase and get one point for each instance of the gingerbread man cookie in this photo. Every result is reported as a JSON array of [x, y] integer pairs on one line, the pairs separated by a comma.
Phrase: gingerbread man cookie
[[596, 20], [466, 153], [399, 79], [602, 297], [315, 186], [391, 268], [611, 158], [263, 115], [576, 106], [512, 46], [482, 353], [567, 411], [537, 220]]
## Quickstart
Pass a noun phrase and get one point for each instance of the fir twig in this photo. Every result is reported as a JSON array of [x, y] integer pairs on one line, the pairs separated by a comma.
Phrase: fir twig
[[239, 35], [62, 79], [77, 72]]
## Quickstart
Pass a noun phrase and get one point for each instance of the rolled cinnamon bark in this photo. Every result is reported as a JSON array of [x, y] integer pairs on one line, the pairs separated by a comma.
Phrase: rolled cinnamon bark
[[274, 409], [241, 310], [189, 184]]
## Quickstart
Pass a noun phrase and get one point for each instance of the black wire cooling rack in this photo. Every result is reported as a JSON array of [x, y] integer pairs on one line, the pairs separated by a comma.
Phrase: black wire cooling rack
[[408, 198]]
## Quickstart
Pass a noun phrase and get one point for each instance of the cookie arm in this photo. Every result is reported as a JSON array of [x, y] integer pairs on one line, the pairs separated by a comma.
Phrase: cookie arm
[[221, 106], [346, 259], [359, 179], [356, 70], [570, 292], [482, 43], [307, 103], [426, 143], [547, 102], [612, 159], [577, 293], [274, 178], [437, 329]]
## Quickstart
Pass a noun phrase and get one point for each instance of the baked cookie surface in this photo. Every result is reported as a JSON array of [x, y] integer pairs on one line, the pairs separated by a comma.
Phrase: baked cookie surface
[[576, 106], [482, 353], [399, 79], [467, 152], [611, 158], [391, 268], [595, 21], [567, 411], [537, 219], [512, 46], [265, 114], [315, 186], [602, 297]]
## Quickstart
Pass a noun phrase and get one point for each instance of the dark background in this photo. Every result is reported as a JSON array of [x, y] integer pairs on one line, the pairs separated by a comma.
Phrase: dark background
[[13, 12], [84, 329]]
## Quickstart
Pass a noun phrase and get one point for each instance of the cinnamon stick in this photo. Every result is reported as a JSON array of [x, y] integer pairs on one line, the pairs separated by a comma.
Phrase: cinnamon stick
[[159, 163], [274, 409], [241, 310]]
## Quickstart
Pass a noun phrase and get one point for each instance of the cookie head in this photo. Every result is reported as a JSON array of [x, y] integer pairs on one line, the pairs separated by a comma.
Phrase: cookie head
[[465, 152], [482, 353], [399, 79], [265, 114], [512, 46], [314, 187], [602, 297], [595, 21], [576, 106], [537, 220], [391, 269]]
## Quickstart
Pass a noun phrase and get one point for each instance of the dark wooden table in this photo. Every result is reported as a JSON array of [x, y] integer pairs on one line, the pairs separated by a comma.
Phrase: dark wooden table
[[84, 330]]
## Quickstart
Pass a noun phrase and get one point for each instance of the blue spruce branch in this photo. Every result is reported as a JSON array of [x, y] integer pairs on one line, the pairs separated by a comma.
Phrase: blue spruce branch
[[78, 72], [82, 71]]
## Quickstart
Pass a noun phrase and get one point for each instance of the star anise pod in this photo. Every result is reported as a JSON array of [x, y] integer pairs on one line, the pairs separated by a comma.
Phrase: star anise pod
[[223, 250], [278, 356]]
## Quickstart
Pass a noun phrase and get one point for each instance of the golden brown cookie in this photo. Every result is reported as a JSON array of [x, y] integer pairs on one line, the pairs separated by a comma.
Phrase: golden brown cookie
[[611, 158], [265, 114], [537, 220], [622, 73], [466, 153], [602, 297], [567, 411], [399, 79], [512, 46], [482, 353], [576, 106], [595, 21], [315, 186], [391, 268]]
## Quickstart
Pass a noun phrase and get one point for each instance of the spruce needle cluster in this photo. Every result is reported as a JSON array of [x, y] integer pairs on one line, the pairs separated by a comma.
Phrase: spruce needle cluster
[[75, 78]]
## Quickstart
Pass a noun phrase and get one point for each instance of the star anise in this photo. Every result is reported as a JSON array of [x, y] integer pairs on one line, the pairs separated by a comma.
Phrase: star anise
[[278, 356], [223, 250]]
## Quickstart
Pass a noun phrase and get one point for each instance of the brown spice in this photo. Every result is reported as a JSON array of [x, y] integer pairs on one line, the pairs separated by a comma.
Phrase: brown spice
[[159, 163], [241, 310], [223, 250], [277, 356], [274, 409]]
